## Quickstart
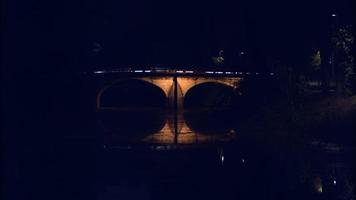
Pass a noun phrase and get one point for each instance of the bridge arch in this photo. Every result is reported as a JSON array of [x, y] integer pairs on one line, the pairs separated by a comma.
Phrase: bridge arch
[[166, 85], [162, 86], [187, 83], [209, 94]]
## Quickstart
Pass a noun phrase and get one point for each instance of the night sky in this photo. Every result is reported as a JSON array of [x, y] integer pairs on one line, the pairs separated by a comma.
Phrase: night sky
[[139, 32]]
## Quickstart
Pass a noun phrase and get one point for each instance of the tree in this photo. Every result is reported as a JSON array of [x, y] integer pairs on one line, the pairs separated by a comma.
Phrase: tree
[[219, 60], [345, 71], [316, 60]]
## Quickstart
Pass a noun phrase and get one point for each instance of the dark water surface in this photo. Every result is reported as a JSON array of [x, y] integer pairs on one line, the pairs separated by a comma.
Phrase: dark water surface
[[196, 154]]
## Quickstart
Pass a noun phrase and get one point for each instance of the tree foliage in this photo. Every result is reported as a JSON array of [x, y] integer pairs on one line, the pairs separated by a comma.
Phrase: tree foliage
[[219, 60], [346, 80], [316, 60]]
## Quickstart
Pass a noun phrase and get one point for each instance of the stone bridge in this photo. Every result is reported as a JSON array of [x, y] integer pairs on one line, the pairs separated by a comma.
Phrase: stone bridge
[[175, 84], [173, 87]]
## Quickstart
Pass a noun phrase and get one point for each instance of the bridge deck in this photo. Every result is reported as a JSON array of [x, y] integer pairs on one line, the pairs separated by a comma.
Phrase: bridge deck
[[174, 72]]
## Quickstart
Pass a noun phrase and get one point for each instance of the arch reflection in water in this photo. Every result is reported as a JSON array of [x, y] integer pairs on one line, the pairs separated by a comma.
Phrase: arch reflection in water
[[179, 132], [157, 127]]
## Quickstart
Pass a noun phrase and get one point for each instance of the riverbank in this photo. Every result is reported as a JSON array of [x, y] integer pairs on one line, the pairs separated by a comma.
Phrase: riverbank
[[330, 119]]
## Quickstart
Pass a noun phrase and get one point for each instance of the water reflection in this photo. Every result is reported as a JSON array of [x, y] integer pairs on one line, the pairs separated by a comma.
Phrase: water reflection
[[165, 127], [185, 135], [225, 167], [244, 169], [318, 185]]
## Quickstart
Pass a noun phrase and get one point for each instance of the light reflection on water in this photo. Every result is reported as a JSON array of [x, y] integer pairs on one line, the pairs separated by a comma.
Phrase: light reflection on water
[[170, 128], [227, 166], [185, 135]]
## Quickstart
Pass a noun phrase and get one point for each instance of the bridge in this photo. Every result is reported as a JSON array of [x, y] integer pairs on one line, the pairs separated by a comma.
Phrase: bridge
[[174, 83]]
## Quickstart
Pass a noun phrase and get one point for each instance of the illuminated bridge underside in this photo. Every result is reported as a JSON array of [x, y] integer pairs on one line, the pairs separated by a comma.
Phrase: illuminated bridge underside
[[166, 84]]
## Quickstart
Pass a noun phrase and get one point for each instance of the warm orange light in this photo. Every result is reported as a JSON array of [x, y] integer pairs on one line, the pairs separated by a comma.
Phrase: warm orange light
[[185, 136]]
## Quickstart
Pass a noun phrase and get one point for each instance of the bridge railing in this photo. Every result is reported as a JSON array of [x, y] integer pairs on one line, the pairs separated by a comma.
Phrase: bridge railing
[[179, 71]]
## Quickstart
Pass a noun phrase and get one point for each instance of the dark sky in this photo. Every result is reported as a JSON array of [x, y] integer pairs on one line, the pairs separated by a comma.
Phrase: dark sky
[[131, 32]]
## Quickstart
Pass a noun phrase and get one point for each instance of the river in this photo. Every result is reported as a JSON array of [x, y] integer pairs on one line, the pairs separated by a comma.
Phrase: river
[[201, 154]]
